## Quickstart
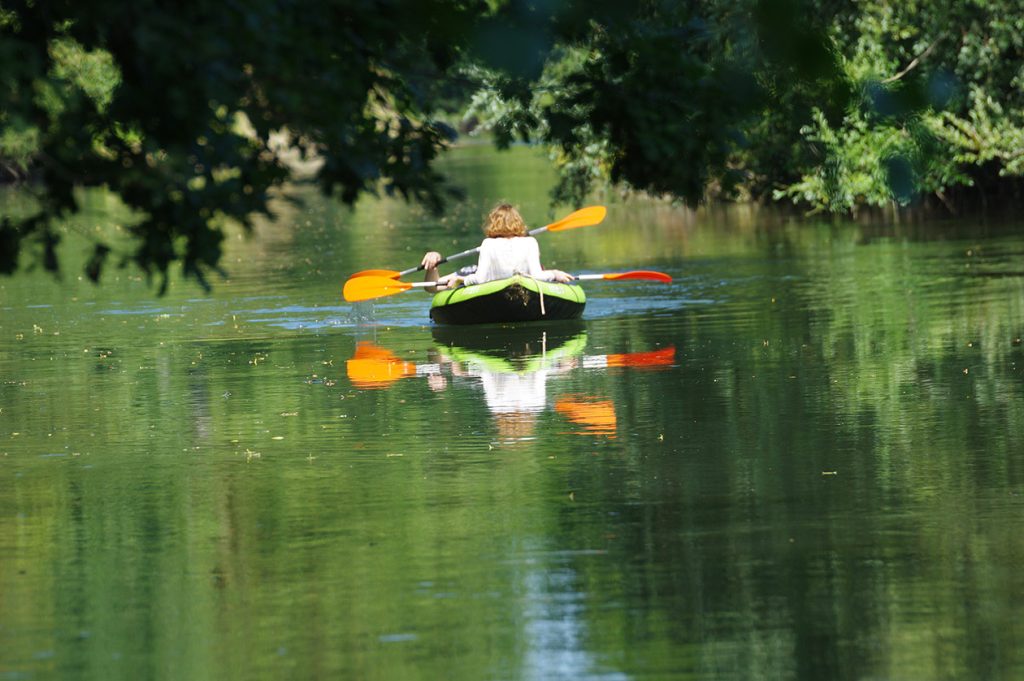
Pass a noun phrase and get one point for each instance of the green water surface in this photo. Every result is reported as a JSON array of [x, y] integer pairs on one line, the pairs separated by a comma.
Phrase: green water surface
[[802, 459]]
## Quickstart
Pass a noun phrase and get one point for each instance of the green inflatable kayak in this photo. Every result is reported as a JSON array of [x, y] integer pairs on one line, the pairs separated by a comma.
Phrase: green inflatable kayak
[[516, 299]]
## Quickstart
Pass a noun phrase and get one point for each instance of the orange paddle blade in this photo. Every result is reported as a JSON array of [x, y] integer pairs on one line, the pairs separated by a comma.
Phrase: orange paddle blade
[[391, 274], [375, 367], [641, 274], [584, 217], [596, 416], [367, 288]]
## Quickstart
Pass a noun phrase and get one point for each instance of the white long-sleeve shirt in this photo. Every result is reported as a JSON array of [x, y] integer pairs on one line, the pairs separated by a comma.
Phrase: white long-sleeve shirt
[[504, 257]]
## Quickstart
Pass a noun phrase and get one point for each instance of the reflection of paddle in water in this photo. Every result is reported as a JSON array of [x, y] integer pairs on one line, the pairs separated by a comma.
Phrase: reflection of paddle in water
[[596, 416], [637, 360], [375, 367], [514, 382]]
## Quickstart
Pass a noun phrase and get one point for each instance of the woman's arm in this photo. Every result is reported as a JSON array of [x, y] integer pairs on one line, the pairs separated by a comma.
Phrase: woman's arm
[[430, 262], [540, 273], [533, 267], [556, 275]]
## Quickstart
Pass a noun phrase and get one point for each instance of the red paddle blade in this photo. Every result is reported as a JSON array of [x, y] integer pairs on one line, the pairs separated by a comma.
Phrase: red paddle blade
[[649, 275], [584, 217], [651, 358], [390, 274], [367, 288]]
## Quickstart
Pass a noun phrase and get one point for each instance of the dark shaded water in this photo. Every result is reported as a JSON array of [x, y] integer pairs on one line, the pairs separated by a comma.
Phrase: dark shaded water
[[801, 460]]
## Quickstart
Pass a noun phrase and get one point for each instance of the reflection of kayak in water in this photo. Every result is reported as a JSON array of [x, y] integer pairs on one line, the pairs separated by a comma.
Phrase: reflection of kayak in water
[[512, 370], [517, 382], [512, 349], [372, 366], [516, 299], [510, 342]]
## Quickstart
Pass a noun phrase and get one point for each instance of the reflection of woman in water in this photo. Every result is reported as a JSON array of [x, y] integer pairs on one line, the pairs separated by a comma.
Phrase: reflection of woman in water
[[514, 396], [510, 393], [516, 399]]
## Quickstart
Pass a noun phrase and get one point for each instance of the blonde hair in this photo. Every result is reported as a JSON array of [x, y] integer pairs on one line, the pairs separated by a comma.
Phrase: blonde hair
[[504, 221]]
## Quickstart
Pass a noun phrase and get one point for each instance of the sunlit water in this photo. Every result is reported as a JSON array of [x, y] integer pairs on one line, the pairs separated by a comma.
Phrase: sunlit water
[[800, 460]]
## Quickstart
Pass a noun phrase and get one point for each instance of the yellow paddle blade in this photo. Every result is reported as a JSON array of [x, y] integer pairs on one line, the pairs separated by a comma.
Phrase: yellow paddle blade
[[584, 217], [367, 288]]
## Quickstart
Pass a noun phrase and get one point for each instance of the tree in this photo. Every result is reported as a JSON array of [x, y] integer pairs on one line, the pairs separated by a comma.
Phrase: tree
[[938, 95], [180, 120], [835, 106], [662, 96], [179, 111]]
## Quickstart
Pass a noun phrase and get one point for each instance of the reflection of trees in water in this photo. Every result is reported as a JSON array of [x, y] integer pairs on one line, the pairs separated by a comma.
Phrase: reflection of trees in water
[[729, 536]]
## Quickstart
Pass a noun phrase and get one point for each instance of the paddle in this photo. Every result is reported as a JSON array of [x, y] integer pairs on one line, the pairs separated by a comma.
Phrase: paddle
[[648, 275], [369, 287], [584, 217]]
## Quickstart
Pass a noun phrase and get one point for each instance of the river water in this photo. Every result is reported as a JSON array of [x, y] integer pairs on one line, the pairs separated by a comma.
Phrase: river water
[[800, 460]]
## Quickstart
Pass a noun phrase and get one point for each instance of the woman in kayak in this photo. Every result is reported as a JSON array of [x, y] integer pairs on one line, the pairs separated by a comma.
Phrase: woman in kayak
[[508, 250]]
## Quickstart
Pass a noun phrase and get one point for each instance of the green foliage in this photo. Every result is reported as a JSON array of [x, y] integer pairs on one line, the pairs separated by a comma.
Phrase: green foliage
[[75, 71], [867, 164], [19, 143], [754, 99], [93, 72], [195, 116], [180, 111], [987, 133], [660, 98], [942, 84]]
